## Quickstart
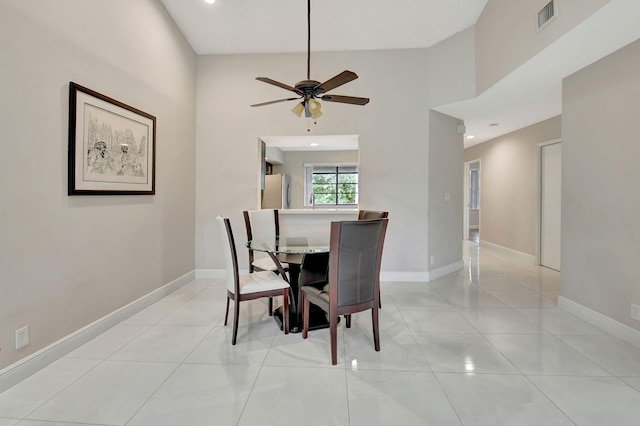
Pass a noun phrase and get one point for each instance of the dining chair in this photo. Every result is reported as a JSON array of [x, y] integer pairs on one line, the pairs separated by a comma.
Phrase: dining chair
[[250, 286], [355, 256], [314, 269], [262, 224]]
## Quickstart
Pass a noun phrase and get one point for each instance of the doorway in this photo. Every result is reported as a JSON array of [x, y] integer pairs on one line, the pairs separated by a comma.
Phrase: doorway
[[550, 204], [471, 191]]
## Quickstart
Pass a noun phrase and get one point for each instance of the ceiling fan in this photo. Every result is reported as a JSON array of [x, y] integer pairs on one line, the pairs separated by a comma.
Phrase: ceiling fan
[[308, 91]]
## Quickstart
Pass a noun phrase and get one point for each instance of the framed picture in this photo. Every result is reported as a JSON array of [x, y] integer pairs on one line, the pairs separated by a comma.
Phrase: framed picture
[[111, 146]]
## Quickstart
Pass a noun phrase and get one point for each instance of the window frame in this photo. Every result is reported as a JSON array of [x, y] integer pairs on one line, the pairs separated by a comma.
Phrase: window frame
[[308, 183]]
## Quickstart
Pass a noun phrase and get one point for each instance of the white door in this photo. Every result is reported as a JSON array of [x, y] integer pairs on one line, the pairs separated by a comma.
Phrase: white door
[[550, 199]]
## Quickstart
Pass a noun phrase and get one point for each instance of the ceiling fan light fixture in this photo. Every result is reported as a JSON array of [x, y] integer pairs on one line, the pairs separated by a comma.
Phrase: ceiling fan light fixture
[[314, 108], [298, 109]]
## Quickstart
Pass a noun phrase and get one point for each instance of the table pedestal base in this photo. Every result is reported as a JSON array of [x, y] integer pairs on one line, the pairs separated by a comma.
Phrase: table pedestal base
[[317, 319]]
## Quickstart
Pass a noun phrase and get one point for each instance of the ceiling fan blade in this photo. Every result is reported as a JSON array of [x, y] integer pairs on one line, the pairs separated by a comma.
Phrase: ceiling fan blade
[[275, 83], [340, 79], [345, 99], [274, 102]]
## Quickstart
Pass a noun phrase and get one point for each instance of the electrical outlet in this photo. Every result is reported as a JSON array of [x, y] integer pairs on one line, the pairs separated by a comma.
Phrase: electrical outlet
[[433, 260], [22, 337], [635, 312], [447, 196]]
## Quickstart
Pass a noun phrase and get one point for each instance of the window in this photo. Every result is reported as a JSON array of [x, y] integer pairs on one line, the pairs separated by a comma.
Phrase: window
[[474, 190], [331, 184]]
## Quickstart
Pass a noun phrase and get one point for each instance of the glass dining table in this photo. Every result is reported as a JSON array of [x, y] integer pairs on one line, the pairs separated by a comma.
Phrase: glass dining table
[[292, 250]]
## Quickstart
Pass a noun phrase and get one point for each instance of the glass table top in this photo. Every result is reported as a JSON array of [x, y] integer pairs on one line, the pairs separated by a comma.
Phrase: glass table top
[[303, 244]]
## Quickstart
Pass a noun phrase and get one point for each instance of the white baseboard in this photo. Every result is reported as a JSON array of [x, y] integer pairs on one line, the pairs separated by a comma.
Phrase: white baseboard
[[211, 274], [525, 257], [445, 270], [421, 276], [215, 274], [384, 275], [403, 276], [31, 364], [611, 326]]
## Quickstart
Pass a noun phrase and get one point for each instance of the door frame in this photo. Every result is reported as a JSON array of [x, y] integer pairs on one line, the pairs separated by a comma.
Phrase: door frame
[[465, 192], [539, 199]]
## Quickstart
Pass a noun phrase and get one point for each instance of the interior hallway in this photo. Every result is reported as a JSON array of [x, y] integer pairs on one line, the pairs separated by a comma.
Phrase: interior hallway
[[484, 346]]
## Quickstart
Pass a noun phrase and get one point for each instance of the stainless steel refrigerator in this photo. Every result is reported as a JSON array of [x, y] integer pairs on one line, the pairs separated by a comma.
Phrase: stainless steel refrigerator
[[276, 194]]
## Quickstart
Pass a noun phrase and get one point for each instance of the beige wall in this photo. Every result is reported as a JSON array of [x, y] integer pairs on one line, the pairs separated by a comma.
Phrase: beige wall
[[507, 36], [509, 179], [474, 219], [68, 261], [452, 70], [600, 206], [445, 190], [392, 128], [293, 166]]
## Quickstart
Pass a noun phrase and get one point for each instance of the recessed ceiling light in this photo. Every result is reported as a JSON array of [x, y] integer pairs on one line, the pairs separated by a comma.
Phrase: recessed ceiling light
[[210, 1], [314, 144], [470, 136]]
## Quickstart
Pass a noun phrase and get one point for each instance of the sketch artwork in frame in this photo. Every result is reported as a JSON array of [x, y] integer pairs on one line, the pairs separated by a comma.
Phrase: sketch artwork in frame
[[111, 146]]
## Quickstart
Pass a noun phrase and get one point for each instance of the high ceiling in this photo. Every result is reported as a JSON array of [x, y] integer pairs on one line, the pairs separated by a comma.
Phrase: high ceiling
[[267, 26], [530, 94]]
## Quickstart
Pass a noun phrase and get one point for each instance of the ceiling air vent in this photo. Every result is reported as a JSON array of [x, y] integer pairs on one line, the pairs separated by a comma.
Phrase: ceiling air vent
[[546, 14]]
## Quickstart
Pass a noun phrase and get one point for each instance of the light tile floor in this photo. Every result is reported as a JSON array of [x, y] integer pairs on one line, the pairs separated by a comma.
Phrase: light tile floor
[[484, 346]]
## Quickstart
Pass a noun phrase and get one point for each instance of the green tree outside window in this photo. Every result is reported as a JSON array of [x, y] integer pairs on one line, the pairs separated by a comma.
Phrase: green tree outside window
[[335, 185]]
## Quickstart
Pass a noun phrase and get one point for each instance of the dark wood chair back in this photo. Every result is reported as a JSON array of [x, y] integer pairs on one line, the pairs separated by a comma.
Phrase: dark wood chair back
[[230, 255], [354, 262], [354, 276], [372, 214]]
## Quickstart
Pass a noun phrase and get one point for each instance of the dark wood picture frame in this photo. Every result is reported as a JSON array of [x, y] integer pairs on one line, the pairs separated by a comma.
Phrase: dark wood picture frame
[[112, 146]]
